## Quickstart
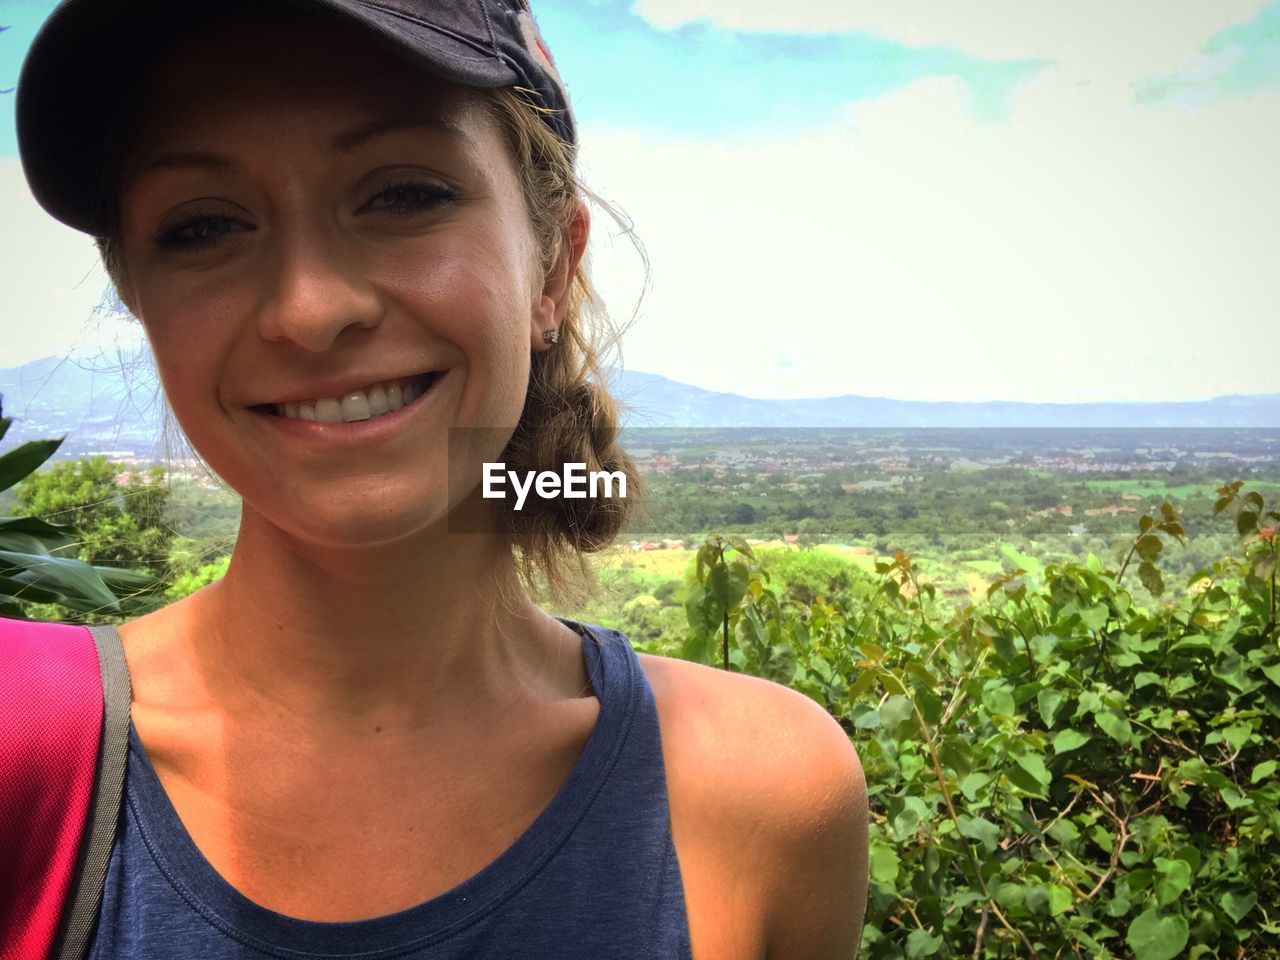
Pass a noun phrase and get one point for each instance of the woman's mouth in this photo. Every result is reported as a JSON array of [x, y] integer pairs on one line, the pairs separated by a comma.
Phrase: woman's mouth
[[367, 403]]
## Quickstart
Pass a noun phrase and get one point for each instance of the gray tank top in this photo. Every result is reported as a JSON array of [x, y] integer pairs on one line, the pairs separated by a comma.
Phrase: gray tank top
[[595, 876]]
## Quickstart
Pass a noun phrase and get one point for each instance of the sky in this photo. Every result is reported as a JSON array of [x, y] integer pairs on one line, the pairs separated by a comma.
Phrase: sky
[[1026, 200]]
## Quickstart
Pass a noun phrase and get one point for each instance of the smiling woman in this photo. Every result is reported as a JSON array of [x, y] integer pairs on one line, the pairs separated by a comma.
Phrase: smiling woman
[[354, 236]]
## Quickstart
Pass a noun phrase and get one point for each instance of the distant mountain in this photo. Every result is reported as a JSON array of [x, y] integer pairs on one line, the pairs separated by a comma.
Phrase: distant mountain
[[655, 401], [114, 404], [103, 405]]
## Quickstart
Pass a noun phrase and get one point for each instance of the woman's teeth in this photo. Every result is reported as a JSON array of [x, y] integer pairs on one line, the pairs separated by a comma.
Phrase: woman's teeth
[[360, 404]]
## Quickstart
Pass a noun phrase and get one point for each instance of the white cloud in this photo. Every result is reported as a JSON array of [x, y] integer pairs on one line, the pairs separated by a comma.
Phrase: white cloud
[[1087, 250], [1101, 40]]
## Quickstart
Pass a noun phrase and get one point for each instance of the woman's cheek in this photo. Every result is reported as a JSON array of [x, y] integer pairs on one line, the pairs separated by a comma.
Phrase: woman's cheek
[[191, 341]]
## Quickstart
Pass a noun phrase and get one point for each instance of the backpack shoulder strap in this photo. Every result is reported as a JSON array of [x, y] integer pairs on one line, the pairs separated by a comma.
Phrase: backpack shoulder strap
[[117, 695], [50, 723], [52, 708]]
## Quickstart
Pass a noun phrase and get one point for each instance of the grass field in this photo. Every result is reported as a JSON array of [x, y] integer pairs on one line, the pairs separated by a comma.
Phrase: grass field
[[975, 575], [1156, 487], [670, 564], [986, 567]]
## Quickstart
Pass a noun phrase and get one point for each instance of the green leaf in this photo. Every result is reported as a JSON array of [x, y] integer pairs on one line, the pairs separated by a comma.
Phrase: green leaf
[[884, 863], [1034, 765], [999, 701], [1060, 899], [973, 783], [922, 943], [865, 717], [73, 579], [698, 648], [980, 829], [753, 632], [1175, 877], [1151, 579], [1264, 566], [1237, 903], [891, 683], [1029, 775], [705, 615], [1064, 831], [895, 713], [1095, 617], [862, 683], [1037, 898], [1049, 700], [1149, 547], [1067, 740], [1234, 799], [930, 706], [1272, 673], [908, 818], [1191, 854], [1152, 936], [18, 463], [20, 587], [1237, 734], [727, 583], [33, 535], [780, 666], [1114, 725], [1199, 575], [1010, 894], [1262, 771]]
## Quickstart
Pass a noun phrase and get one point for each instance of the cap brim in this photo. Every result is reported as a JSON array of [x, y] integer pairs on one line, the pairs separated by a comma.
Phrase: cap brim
[[69, 88]]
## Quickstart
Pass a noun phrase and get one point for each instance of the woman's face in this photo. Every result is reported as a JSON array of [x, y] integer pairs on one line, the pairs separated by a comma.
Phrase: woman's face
[[312, 228]]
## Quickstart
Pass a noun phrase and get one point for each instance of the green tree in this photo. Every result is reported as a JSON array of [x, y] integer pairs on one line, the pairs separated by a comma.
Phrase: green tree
[[118, 512]]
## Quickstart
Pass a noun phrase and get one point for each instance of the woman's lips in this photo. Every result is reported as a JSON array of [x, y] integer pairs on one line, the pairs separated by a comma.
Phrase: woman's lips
[[359, 428]]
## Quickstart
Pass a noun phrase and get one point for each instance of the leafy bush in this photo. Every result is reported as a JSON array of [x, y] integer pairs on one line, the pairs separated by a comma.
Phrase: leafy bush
[[39, 571], [1051, 773]]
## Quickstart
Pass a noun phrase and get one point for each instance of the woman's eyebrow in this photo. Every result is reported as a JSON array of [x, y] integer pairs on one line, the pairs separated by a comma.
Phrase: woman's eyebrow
[[358, 136], [186, 158], [345, 142]]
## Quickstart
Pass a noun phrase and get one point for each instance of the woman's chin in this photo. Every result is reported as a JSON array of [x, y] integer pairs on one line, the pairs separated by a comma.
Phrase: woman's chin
[[352, 522]]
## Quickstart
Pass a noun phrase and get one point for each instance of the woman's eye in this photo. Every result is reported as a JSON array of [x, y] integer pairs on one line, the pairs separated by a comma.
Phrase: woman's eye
[[405, 199], [200, 230]]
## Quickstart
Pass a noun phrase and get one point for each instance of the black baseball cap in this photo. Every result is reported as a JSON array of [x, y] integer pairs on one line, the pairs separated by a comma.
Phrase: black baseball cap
[[74, 75]]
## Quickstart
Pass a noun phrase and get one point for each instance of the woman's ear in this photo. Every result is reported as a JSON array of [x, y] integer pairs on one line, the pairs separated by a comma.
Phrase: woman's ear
[[554, 298]]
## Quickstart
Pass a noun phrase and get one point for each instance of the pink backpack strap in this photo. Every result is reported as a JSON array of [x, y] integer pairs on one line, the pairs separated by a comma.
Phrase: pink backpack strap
[[59, 780]]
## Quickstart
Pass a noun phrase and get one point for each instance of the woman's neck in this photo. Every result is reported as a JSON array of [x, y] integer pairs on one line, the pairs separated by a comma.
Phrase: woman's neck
[[410, 636]]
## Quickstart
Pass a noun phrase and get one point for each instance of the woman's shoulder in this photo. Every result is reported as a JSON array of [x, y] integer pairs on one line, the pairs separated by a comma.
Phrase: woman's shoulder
[[764, 776], [779, 752]]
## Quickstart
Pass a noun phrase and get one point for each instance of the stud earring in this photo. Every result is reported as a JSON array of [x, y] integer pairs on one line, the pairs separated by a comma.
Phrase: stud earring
[[550, 336]]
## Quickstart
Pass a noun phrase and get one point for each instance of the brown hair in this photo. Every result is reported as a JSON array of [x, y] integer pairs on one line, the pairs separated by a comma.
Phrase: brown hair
[[569, 415]]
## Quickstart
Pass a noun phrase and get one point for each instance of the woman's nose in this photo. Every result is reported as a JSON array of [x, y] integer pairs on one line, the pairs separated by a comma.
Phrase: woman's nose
[[316, 290]]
